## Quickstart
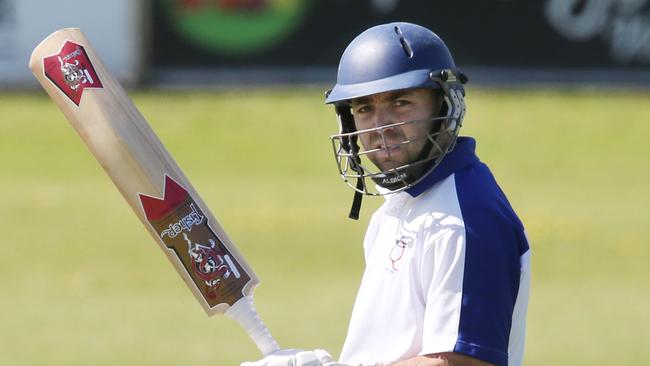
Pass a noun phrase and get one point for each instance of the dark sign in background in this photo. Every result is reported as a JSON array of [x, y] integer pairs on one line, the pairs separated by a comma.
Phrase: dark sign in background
[[534, 34]]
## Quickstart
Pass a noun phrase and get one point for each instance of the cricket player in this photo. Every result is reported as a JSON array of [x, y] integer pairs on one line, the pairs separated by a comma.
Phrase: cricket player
[[447, 259]]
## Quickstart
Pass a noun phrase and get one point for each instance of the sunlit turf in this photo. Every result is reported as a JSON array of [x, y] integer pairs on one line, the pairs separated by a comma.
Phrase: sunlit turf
[[83, 283]]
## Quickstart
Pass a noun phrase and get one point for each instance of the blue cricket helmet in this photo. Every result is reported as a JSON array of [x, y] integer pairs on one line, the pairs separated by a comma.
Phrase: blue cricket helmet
[[390, 57], [386, 58]]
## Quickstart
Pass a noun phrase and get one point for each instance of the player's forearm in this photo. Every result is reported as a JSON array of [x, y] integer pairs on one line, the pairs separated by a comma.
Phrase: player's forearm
[[421, 361], [441, 359]]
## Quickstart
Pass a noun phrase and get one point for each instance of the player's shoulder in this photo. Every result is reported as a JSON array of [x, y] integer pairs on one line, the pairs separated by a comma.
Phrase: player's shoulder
[[477, 188], [486, 211]]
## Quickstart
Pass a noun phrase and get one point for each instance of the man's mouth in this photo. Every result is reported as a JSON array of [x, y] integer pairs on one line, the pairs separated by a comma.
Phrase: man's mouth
[[388, 146]]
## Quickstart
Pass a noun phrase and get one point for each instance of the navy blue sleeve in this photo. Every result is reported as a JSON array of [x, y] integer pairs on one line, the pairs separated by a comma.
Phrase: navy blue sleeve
[[495, 241]]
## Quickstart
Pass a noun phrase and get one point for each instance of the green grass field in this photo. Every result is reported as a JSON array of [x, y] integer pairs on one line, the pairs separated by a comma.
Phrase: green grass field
[[84, 284]]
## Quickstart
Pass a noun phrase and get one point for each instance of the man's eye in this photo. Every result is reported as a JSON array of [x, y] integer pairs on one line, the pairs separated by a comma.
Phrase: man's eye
[[361, 109], [401, 102]]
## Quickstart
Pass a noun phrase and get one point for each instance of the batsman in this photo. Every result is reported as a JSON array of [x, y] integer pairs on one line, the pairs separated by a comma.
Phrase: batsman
[[447, 272]]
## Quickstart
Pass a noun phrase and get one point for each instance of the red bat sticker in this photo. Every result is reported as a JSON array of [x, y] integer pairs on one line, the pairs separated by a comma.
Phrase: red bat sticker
[[182, 226], [71, 71]]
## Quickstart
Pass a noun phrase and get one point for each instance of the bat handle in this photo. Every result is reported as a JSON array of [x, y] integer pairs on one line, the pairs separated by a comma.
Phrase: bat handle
[[243, 311]]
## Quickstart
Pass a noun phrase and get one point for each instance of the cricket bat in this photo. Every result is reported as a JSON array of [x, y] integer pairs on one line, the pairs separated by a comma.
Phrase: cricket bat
[[119, 137]]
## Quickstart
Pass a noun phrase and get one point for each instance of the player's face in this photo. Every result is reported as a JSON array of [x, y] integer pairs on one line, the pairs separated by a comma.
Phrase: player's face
[[383, 109]]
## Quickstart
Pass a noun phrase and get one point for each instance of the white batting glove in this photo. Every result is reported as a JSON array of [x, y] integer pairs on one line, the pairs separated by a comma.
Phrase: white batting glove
[[296, 357]]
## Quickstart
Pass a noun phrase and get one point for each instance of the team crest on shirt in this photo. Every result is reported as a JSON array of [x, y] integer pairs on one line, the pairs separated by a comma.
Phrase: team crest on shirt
[[397, 253]]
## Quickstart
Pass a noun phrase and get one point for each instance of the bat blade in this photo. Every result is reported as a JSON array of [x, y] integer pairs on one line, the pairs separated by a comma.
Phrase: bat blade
[[119, 137]]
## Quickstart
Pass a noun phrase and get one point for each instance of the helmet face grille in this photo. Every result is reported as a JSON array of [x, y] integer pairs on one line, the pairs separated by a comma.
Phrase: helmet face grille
[[358, 162]]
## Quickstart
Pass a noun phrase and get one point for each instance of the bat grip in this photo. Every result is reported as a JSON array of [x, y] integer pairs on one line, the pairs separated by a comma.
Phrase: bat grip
[[243, 312]]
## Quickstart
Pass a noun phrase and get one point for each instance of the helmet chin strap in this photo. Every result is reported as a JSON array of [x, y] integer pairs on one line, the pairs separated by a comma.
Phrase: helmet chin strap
[[356, 201]]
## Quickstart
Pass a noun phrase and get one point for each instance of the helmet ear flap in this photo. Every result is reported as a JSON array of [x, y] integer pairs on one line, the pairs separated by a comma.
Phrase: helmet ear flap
[[350, 145], [453, 105], [346, 122], [345, 115], [446, 124], [450, 125]]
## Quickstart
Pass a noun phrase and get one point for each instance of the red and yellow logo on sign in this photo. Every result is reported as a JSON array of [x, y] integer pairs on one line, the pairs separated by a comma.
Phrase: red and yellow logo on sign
[[235, 27]]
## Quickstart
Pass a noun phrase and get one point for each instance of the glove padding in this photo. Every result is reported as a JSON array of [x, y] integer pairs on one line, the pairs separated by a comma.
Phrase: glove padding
[[296, 357]]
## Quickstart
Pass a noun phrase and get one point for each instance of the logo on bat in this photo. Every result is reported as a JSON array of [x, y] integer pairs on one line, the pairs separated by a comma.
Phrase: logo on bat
[[210, 265], [71, 71], [185, 223], [183, 228], [73, 75]]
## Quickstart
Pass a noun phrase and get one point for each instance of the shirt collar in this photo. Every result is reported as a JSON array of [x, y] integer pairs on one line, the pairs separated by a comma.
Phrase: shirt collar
[[463, 154]]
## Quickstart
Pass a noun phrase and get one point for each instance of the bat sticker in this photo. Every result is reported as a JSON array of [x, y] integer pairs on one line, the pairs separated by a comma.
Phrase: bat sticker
[[71, 71], [182, 227]]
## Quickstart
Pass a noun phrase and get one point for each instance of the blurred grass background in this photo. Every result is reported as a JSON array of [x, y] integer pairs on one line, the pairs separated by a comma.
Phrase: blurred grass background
[[83, 283]]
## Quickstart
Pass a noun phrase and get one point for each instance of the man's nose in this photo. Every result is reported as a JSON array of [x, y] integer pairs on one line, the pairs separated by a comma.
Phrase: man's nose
[[383, 117]]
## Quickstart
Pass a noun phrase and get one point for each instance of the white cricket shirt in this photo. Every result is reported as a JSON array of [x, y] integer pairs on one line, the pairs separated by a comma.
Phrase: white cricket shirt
[[447, 270]]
